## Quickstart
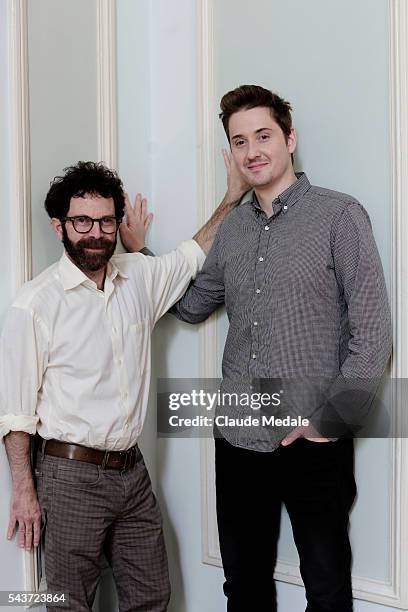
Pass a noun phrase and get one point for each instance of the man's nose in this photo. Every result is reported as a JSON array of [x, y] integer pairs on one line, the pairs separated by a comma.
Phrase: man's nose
[[95, 232], [253, 149]]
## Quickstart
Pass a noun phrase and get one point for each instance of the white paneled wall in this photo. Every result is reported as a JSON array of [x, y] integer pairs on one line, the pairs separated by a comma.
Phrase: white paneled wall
[[158, 142]]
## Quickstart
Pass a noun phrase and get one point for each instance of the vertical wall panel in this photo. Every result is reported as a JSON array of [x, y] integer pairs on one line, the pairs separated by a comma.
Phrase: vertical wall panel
[[63, 103]]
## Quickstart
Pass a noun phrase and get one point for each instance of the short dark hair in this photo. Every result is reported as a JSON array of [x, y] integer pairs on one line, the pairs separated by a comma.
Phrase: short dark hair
[[84, 178], [246, 97]]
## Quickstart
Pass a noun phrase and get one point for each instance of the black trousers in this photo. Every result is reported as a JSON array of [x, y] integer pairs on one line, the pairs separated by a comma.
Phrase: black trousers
[[316, 483]]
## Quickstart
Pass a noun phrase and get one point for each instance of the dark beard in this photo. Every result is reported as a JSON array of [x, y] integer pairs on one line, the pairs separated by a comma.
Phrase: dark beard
[[85, 260]]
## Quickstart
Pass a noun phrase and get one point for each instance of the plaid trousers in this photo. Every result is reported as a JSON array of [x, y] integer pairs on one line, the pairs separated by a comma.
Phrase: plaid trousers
[[90, 513]]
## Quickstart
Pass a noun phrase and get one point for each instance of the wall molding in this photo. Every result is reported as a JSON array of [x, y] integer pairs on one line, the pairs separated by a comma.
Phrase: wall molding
[[206, 160], [20, 183], [398, 67], [394, 592], [106, 82], [206, 194], [20, 152]]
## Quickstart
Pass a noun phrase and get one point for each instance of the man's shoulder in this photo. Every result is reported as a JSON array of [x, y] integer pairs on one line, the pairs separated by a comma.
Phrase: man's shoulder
[[336, 199], [36, 291], [337, 203]]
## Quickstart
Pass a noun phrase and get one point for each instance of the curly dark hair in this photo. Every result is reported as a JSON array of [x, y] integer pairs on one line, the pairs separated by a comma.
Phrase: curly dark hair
[[246, 97], [84, 178]]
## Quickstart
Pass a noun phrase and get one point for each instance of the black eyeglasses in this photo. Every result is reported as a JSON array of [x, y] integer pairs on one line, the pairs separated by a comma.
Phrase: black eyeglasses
[[83, 224]]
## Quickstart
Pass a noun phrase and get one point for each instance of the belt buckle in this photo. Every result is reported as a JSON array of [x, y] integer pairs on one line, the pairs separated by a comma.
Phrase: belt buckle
[[105, 459]]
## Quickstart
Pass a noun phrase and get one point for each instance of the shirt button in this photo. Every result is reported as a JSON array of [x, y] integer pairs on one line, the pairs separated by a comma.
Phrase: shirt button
[[114, 330], [254, 356], [258, 291], [266, 227], [255, 323], [261, 259]]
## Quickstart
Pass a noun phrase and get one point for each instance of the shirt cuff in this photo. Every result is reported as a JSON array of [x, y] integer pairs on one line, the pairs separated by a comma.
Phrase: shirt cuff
[[18, 422], [194, 255]]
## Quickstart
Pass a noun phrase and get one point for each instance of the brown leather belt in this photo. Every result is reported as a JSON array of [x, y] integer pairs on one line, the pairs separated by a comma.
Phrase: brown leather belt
[[117, 460]]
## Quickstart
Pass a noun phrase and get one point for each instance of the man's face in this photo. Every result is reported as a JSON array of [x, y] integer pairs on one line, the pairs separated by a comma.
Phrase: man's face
[[259, 147], [90, 251]]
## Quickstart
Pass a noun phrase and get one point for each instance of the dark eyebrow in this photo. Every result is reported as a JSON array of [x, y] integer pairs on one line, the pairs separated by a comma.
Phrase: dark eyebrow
[[256, 132]]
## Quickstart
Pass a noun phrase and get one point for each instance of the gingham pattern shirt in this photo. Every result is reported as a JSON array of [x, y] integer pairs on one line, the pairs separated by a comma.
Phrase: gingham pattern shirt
[[304, 293]]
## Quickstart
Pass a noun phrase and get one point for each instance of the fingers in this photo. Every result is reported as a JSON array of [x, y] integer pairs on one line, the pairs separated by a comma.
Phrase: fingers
[[11, 527], [290, 438], [128, 206], [148, 221], [29, 532], [37, 530], [25, 532], [28, 535], [308, 432], [143, 209], [26, 513], [21, 534], [227, 159], [138, 205], [137, 212]]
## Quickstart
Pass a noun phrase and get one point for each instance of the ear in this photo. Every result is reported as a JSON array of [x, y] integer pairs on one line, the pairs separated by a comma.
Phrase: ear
[[57, 227], [292, 141]]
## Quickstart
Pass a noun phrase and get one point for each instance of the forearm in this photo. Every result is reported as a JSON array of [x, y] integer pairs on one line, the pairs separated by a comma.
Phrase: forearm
[[205, 236], [25, 510], [18, 452]]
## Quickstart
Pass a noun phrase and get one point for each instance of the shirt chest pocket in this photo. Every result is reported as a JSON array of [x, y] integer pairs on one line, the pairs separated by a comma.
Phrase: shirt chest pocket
[[138, 342]]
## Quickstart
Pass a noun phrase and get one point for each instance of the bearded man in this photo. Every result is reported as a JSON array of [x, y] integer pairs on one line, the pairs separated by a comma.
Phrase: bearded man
[[75, 369]]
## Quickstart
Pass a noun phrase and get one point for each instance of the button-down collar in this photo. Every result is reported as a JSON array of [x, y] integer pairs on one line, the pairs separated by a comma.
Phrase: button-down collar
[[287, 198], [71, 276]]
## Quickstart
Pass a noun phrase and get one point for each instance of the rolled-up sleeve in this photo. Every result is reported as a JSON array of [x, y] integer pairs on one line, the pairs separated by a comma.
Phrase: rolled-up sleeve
[[172, 273], [23, 360]]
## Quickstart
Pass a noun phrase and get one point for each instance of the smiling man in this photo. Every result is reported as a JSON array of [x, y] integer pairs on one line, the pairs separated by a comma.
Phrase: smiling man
[[75, 368], [299, 273]]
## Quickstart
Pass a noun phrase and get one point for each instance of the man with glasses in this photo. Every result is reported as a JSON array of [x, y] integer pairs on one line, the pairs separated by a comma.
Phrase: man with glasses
[[75, 368]]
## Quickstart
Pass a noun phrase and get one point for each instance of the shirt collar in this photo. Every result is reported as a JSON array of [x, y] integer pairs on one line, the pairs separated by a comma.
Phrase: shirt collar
[[71, 276], [287, 198]]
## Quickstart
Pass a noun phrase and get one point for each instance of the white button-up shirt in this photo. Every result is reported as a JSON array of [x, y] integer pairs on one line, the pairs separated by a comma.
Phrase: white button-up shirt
[[75, 361]]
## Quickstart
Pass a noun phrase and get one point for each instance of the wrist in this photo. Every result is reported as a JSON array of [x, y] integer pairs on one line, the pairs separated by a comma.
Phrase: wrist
[[133, 248], [232, 198], [23, 481]]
